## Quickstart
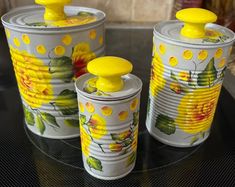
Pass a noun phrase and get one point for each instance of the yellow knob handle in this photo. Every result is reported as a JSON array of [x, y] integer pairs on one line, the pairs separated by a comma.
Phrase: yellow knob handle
[[195, 20], [54, 9], [109, 70]]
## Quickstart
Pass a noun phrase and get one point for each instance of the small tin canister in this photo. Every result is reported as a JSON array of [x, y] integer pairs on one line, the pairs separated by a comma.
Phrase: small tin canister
[[49, 48], [188, 67], [109, 117]]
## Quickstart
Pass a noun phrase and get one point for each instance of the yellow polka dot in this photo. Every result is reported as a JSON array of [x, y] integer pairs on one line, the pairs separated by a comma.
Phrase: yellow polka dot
[[187, 54], [134, 104], [90, 107], [101, 40], [16, 42], [123, 115], [59, 50], [67, 40], [8, 33], [218, 53], [81, 107], [106, 111], [222, 63], [41, 49], [173, 61], [162, 49], [26, 39], [202, 55], [92, 34]]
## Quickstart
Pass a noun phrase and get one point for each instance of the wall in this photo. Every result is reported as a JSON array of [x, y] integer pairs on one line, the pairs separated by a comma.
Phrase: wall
[[125, 10]]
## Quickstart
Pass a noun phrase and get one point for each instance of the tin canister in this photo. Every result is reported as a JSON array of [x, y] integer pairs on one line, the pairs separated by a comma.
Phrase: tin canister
[[48, 52], [109, 117], [188, 68]]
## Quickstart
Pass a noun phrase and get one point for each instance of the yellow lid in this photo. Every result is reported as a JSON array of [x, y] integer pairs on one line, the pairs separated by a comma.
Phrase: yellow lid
[[194, 21], [109, 70], [54, 9]]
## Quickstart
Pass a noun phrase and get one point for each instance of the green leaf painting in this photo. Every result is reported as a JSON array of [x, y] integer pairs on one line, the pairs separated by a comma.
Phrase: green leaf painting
[[48, 118], [40, 125], [89, 89], [127, 142], [29, 117], [131, 159], [173, 76], [68, 92], [72, 122], [63, 63], [82, 119], [85, 14], [165, 124], [67, 106], [135, 118], [209, 75], [116, 137], [94, 163], [194, 140]]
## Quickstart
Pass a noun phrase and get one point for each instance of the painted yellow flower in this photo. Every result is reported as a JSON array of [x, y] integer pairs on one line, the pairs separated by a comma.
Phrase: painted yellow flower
[[97, 126], [81, 107], [157, 80], [16, 42], [124, 135], [184, 76], [187, 54], [101, 40], [92, 34], [213, 34], [92, 82], [162, 49], [41, 49], [8, 33], [106, 111], [175, 87], [196, 111], [202, 55], [90, 107], [134, 143], [85, 141], [82, 54], [115, 147], [74, 21], [134, 104], [67, 39], [33, 93], [26, 39], [123, 115], [218, 53], [59, 50], [173, 61], [222, 63]]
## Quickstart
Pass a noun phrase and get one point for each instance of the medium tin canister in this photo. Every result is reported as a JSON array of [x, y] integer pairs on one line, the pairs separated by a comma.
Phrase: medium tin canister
[[188, 67], [109, 117], [48, 52]]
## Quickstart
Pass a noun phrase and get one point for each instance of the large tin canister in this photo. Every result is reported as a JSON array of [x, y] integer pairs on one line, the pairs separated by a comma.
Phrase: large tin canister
[[188, 68], [109, 117], [48, 52]]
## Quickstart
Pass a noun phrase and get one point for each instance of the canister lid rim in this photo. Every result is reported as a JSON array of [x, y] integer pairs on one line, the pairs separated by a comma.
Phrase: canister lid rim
[[158, 27], [5, 19], [136, 87]]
